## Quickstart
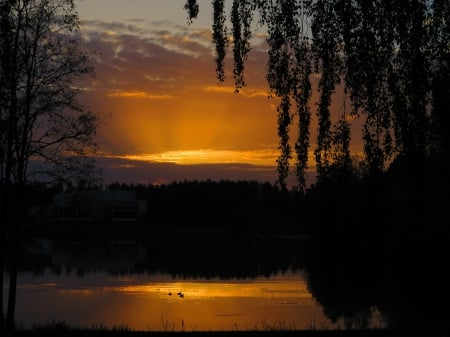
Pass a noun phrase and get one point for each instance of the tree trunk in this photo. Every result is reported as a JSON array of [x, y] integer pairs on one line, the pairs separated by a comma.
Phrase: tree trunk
[[10, 318], [17, 208], [2, 267], [5, 216]]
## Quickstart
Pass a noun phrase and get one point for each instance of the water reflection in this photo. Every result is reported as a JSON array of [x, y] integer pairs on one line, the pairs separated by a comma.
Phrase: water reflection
[[194, 258], [139, 284], [151, 302]]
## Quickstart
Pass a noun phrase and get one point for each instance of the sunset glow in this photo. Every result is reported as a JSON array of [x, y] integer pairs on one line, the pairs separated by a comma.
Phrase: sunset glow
[[256, 157], [158, 97], [157, 94], [216, 289]]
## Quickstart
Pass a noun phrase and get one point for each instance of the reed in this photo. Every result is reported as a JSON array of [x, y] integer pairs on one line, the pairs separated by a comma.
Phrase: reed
[[61, 326], [263, 327]]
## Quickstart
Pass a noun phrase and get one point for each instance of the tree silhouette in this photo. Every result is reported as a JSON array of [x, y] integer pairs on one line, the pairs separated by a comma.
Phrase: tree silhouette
[[387, 64], [391, 58], [40, 118]]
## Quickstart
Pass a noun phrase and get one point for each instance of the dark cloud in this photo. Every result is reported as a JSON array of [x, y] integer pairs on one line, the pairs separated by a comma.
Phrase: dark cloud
[[134, 49], [131, 171]]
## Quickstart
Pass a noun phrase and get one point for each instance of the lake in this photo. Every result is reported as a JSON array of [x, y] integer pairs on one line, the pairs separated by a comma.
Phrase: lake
[[204, 285], [230, 283]]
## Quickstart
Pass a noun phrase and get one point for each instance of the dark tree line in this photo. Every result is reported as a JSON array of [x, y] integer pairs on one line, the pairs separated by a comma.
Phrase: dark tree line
[[244, 206]]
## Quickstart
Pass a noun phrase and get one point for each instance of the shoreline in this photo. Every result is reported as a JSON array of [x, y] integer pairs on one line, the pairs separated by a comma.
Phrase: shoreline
[[240, 333], [156, 232]]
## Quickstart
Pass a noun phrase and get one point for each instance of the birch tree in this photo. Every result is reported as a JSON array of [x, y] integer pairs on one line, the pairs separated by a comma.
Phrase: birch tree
[[41, 121], [390, 58]]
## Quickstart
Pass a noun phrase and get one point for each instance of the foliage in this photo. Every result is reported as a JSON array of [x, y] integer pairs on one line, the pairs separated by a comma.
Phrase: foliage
[[385, 64], [390, 58], [41, 119]]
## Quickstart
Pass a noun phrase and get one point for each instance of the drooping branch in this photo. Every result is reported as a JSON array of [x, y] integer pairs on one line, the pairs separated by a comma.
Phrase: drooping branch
[[192, 9], [288, 75], [241, 18], [220, 37], [387, 56], [440, 72], [409, 82], [326, 42], [302, 95], [284, 121]]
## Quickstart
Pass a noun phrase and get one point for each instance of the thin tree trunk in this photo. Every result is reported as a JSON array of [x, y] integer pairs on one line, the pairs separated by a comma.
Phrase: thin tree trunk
[[3, 222], [17, 207], [10, 318], [2, 265]]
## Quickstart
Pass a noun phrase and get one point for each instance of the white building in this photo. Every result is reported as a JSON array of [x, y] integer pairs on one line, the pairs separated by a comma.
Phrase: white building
[[100, 207]]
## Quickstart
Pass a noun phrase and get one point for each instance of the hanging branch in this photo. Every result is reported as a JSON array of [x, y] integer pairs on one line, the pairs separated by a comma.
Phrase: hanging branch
[[326, 46], [220, 38], [241, 18], [391, 56], [192, 9]]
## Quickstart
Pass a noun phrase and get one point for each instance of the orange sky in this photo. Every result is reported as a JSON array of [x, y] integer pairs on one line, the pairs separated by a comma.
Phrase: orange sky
[[156, 91]]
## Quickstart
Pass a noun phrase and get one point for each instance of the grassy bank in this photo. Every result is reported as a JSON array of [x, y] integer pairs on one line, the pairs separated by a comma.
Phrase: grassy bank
[[63, 329], [300, 333]]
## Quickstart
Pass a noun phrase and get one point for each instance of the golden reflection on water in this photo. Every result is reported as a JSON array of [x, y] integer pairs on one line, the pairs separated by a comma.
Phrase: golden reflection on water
[[207, 289], [153, 302]]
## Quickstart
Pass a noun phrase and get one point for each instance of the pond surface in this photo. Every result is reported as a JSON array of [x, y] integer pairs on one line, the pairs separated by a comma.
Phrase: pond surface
[[152, 302], [157, 286]]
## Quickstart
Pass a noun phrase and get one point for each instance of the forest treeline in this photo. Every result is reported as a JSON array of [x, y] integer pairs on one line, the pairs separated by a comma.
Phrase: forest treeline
[[404, 202], [244, 206]]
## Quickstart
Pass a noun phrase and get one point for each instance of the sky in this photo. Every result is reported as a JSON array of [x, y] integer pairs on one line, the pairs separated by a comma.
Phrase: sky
[[165, 116]]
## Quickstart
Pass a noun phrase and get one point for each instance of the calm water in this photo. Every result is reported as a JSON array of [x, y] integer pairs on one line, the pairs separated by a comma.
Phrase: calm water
[[124, 283], [142, 302]]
